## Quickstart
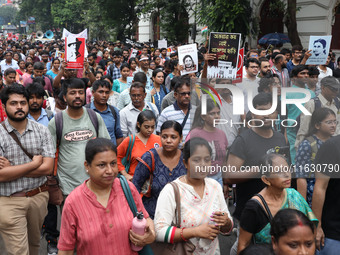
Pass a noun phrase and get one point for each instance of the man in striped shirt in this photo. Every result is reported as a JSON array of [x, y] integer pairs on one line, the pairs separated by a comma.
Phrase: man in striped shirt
[[181, 110]]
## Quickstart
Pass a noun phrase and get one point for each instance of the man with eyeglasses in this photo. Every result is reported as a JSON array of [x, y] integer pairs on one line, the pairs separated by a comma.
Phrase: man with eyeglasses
[[250, 82], [330, 87], [297, 57], [8, 62], [181, 110], [129, 114]]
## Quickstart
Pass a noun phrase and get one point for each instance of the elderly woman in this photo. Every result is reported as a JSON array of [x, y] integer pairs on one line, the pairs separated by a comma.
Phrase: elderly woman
[[96, 217], [258, 211], [204, 212]]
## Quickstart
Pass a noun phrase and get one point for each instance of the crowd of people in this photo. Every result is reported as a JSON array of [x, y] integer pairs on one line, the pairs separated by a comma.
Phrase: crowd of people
[[137, 119]]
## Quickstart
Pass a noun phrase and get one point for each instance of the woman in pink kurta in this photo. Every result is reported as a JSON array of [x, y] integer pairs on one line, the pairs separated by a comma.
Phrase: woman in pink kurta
[[96, 217]]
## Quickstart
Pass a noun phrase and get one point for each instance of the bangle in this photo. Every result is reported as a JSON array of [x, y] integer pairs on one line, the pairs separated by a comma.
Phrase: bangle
[[185, 240]]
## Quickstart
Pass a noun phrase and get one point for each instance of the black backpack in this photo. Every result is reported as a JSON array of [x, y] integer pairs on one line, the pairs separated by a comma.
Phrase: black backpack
[[112, 111]]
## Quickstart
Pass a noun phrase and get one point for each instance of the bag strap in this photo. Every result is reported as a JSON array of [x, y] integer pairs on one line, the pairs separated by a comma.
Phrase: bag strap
[[130, 147], [16, 139], [185, 119], [152, 168], [178, 204], [270, 216], [59, 126], [113, 111], [93, 117], [128, 194], [313, 145]]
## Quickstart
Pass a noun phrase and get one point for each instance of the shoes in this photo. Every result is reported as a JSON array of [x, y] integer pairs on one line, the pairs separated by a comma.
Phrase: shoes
[[52, 248]]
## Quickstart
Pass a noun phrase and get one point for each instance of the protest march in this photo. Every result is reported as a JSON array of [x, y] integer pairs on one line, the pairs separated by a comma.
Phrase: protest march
[[127, 147]]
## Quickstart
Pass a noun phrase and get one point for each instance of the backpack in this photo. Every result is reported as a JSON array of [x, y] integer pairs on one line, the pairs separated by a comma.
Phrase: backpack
[[112, 109], [317, 105], [59, 129]]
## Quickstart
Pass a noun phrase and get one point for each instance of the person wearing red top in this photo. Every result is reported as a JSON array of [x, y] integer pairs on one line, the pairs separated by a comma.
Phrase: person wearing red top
[[96, 216], [144, 141]]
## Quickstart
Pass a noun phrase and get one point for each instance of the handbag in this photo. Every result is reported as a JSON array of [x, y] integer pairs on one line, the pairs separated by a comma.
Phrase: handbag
[[55, 194], [179, 248], [126, 161], [127, 192], [146, 188]]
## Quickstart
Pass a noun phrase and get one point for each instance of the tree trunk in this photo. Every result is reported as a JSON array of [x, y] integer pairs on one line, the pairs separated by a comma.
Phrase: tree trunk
[[291, 23]]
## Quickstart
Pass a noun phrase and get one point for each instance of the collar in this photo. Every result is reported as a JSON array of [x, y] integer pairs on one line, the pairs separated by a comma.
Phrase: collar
[[10, 128], [92, 106], [177, 107], [324, 101]]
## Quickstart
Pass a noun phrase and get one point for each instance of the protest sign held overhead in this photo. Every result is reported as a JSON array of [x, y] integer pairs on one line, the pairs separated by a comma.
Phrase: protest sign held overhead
[[320, 49], [75, 49], [188, 58], [226, 47], [239, 73]]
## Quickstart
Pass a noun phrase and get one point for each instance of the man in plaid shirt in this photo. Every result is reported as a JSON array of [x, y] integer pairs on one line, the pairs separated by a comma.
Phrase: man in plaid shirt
[[23, 170], [114, 69]]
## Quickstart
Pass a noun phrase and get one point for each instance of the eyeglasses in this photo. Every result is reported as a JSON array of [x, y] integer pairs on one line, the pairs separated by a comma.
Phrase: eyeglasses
[[253, 67], [253, 56], [136, 95], [330, 122], [183, 94]]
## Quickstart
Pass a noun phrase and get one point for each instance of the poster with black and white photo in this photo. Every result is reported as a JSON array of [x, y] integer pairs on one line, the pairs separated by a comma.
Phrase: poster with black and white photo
[[320, 46], [226, 47], [188, 58]]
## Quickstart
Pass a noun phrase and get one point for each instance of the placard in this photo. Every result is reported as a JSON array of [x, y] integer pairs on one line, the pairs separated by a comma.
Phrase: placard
[[188, 58], [320, 49], [226, 47], [74, 52]]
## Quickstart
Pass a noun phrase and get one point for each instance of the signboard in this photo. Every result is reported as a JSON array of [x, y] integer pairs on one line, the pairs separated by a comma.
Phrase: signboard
[[239, 73]]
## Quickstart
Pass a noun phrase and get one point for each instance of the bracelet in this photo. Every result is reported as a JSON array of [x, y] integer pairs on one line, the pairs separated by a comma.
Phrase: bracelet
[[185, 240]]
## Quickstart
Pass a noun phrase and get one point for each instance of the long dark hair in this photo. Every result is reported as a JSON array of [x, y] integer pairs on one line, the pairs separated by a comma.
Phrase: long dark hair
[[317, 117], [198, 121]]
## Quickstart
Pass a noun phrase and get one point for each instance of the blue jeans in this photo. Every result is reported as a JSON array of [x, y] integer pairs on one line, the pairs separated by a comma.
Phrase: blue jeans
[[331, 247]]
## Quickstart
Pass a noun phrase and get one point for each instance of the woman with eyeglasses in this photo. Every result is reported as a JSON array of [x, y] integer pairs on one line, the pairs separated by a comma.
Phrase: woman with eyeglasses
[[322, 127]]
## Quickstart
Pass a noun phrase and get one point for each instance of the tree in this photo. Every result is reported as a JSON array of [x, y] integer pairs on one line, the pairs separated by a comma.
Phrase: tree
[[174, 20], [290, 22], [226, 16], [7, 15]]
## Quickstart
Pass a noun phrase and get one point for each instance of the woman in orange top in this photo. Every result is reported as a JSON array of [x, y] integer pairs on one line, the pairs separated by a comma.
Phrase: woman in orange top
[[144, 141]]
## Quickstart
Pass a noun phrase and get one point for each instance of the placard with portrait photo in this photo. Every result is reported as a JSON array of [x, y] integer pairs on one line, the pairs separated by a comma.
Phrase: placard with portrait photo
[[188, 58]]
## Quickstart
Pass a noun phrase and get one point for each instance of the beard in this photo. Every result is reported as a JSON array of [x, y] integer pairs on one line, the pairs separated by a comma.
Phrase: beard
[[17, 119]]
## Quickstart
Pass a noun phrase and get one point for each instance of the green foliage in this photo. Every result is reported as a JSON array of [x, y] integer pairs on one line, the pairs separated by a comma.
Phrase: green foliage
[[174, 20], [226, 16], [7, 15]]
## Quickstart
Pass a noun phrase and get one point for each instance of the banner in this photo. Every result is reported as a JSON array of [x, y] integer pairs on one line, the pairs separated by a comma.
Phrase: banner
[[188, 58], [74, 52], [23, 23], [82, 34], [162, 44], [239, 73], [320, 49], [31, 20], [133, 53], [226, 47]]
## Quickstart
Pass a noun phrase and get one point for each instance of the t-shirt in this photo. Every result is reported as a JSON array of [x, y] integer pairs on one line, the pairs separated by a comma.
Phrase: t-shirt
[[75, 135], [329, 154], [138, 149], [251, 147], [217, 141]]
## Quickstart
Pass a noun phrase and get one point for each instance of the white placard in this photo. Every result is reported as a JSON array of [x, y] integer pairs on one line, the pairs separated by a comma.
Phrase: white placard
[[320, 49], [188, 58]]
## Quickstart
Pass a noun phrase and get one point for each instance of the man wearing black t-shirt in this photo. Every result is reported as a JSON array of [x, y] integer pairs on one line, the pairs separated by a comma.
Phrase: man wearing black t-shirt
[[326, 201], [246, 152]]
